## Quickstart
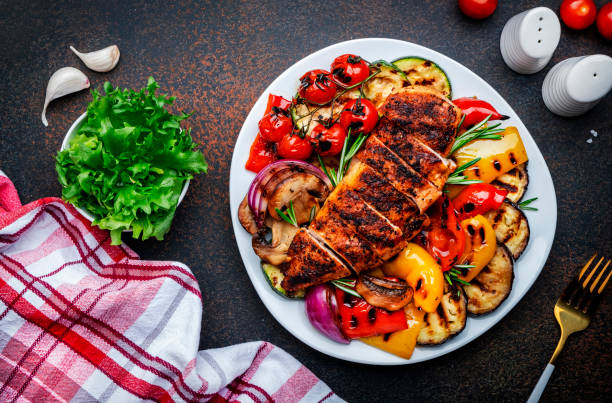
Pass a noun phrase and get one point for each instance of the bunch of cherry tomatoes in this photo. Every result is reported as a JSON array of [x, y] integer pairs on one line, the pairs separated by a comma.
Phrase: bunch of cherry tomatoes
[[317, 87]]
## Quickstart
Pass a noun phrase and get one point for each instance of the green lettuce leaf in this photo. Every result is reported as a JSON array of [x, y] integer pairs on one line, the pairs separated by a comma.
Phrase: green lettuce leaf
[[129, 161]]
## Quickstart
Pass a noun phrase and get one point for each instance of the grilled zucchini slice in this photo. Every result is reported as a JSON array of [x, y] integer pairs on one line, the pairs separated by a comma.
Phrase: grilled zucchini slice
[[388, 81], [426, 73], [448, 320], [492, 285], [275, 277], [514, 181], [511, 227]]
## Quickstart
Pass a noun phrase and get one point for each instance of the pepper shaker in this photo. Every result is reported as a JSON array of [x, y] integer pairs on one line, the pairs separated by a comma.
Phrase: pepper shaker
[[529, 40], [577, 84]]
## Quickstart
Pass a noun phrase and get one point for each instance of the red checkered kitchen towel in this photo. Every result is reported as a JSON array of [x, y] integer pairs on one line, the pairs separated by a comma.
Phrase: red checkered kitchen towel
[[82, 320]]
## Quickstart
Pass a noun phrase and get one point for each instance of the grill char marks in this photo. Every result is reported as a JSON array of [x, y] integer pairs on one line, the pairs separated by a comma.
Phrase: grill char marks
[[386, 239], [311, 263], [345, 240], [401, 175], [375, 190], [420, 157], [425, 114]]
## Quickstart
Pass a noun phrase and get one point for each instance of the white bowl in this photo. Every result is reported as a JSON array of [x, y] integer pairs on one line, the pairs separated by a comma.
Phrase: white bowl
[[71, 132]]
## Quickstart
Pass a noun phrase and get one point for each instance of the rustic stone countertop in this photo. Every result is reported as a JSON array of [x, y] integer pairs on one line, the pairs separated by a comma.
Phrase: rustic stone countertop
[[217, 57]]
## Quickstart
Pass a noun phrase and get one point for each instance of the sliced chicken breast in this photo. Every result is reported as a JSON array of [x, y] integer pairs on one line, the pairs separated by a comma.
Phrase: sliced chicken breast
[[311, 263]]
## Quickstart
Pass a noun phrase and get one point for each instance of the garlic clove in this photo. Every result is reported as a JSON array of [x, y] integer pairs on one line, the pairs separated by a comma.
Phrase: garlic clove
[[63, 82], [102, 60]]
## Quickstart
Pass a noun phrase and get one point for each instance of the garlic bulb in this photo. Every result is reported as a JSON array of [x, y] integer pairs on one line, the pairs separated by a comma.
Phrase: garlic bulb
[[63, 82], [102, 60]]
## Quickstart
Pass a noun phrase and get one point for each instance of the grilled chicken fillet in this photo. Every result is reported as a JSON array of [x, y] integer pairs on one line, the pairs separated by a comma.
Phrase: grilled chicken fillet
[[379, 205]]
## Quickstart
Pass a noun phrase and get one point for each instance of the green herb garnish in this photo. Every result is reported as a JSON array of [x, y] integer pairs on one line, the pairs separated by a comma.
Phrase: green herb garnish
[[129, 161], [477, 132], [290, 216], [524, 205], [345, 285], [457, 179], [453, 275]]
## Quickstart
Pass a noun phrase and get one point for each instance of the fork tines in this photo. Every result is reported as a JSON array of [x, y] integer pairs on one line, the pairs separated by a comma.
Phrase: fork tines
[[584, 291]]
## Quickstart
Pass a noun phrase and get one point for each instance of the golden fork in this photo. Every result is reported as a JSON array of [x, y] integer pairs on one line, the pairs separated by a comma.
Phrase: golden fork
[[573, 311]]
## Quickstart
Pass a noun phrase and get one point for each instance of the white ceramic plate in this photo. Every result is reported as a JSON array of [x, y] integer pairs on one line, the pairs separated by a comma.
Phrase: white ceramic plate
[[291, 314]]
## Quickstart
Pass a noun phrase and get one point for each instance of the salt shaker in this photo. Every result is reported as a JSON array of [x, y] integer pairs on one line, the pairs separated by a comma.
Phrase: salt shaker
[[529, 40], [577, 84]]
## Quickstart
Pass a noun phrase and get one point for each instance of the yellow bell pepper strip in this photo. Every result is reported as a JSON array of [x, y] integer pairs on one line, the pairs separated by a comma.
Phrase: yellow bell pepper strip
[[480, 246], [496, 156], [403, 342], [421, 272]]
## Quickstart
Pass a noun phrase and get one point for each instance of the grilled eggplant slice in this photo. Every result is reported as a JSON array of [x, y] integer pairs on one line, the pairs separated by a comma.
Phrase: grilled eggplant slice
[[511, 227], [424, 72], [492, 285], [448, 320], [514, 181]]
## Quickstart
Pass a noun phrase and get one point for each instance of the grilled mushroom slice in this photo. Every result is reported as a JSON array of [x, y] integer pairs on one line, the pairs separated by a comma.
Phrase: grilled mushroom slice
[[383, 293], [304, 190], [492, 285], [274, 250], [246, 217], [511, 227], [448, 320], [514, 181]]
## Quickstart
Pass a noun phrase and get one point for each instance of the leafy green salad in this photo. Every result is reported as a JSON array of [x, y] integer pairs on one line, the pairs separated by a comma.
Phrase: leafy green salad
[[129, 161]]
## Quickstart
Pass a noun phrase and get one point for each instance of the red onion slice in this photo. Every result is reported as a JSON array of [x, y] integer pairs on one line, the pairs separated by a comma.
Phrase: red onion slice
[[266, 180], [321, 307]]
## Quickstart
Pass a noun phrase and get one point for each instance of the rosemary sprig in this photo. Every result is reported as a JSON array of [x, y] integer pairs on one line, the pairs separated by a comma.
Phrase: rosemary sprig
[[524, 205], [453, 275], [478, 131], [331, 175], [312, 214], [347, 154], [464, 266], [345, 287], [290, 216], [456, 178]]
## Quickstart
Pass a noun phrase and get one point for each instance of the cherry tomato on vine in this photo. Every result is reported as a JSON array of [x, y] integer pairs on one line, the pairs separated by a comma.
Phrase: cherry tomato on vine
[[328, 141], [349, 70], [275, 125], [578, 14], [604, 21], [477, 9], [360, 115], [317, 86], [294, 147]]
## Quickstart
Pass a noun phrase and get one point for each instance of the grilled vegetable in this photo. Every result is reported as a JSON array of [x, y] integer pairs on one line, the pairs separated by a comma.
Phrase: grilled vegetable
[[421, 272], [425, 72], [403, 342], [386, 82], [480, 246], [496, 156], [275, 277], [273, 246], [391, 294], [322, 312], [511, 227], [447, 320], [514, 181], [492, 285], [478, 198]]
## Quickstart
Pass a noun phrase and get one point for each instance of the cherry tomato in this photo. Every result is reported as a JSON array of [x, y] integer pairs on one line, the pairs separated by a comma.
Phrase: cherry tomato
[[578, 14], [317, 86], [328, 141], [604, 21], [477, 9], [294, 147], [275, 125], [444, 237], [262, 153], [360, 115], [349, 70]]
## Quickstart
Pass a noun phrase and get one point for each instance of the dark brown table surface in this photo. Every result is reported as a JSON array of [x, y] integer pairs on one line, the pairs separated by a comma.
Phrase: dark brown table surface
[[217, 57]]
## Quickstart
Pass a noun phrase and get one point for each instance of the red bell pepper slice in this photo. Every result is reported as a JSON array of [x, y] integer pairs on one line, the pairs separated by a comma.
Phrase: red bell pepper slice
[[475, 110], [477, 199], [444, 237], [263, 153], [360, 319]]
